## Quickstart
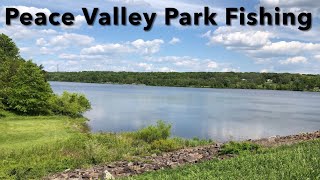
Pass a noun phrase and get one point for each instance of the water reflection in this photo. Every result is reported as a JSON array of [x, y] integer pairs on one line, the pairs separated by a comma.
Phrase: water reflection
[[219, 114]]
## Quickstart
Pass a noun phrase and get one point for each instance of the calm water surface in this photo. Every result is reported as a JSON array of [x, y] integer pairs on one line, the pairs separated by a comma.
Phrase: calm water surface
[[219, 114]]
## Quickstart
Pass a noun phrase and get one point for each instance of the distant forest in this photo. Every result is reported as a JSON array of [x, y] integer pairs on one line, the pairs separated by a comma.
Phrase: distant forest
[[270, 81]]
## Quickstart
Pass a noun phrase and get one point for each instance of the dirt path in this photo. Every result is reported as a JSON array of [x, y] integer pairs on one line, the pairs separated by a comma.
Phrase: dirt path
[[171, 159]]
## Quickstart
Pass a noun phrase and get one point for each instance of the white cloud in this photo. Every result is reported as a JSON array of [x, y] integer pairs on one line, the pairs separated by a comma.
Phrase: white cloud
[[24, 49], [292, 48], [270, 47], [317, 57], [294, 60], [139, 46], [148, 47], [41, 42], [187, 63], [233, 37], [49, 50], [174, 40], [71, 39], [145, 66], [107, 49], [19, 32], [259, 44]]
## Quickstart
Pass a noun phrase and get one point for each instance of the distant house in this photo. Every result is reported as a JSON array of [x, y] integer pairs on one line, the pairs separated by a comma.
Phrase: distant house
[[269, 80]]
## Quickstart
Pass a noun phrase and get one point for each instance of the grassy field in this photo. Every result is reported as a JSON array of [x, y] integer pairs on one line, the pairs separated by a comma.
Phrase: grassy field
[[33, 147], [300, 161]]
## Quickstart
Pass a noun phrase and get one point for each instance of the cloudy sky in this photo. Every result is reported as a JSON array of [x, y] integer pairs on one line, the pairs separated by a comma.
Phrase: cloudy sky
[[167, 48]]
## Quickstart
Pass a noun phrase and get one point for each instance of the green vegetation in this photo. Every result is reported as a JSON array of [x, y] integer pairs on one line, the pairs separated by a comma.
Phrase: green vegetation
[[69, 104], [24, 89], [239, 147], [271, 81], [34, 146], [29, 91], [153, 133], [300, 161]]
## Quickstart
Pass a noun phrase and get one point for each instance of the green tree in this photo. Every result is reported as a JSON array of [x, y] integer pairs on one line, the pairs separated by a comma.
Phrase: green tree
[[30, 93], [24, 88], [8, 48], [9, 63]]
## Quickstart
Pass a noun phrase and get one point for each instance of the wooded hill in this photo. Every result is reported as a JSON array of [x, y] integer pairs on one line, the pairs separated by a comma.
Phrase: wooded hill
[[270, 81]]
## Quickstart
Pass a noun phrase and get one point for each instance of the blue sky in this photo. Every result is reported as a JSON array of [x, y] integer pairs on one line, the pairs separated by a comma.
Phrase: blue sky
[[167, 48]]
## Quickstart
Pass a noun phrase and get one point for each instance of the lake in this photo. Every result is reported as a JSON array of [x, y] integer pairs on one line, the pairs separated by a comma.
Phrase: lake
[[218, 114]]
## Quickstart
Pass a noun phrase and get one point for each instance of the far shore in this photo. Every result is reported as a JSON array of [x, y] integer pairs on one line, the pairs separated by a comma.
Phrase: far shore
[[189, 87]]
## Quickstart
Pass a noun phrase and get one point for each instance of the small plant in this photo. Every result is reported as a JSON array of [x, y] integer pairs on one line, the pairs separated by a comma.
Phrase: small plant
[[70, 104], [165, 145], [153, 133], [239, 147]]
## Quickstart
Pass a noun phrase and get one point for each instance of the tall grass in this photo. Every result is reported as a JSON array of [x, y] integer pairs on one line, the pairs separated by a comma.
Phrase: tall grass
[[33, 147], [300, 161]]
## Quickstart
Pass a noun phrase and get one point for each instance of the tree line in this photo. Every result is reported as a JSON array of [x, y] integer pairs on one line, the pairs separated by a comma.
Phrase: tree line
[[250, 80], [25, 90]]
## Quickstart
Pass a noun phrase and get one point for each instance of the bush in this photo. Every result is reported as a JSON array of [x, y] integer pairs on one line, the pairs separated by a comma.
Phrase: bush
[[153, 133], [70, 104], [30, 92], [166, 145], [25, 90], [238, 147]]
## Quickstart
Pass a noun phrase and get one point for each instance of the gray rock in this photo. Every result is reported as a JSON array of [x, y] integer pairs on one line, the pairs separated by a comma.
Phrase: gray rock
[[193, 158], [107, 175]]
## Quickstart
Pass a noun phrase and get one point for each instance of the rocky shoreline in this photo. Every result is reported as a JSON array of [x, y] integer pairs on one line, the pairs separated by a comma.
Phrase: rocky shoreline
[[171, 159]]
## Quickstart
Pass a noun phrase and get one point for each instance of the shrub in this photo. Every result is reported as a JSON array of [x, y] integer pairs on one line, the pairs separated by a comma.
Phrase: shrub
[[24, 89], [239, 147], [166, 145], [70, 104], [30, 92], [152, 133]]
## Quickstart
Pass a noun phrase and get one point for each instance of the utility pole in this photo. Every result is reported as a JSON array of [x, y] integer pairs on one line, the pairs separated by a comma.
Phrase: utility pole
[[57, 67]]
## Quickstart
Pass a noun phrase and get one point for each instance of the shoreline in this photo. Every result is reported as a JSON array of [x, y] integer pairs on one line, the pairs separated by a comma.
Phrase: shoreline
[[188, 87], [223, 80], [175, 159]]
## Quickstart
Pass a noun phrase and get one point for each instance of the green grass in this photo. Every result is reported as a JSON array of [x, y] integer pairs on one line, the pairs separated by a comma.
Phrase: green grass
[[300, 161], [33, 147], [20, 132]]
